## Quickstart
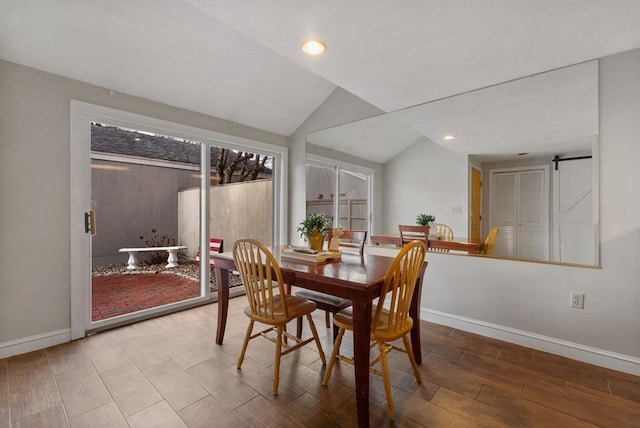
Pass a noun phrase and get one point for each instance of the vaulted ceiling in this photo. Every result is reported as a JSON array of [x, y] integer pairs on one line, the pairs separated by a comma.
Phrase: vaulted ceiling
[[241, 60]]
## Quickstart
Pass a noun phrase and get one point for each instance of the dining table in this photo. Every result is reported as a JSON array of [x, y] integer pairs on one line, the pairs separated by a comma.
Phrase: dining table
[[356, 277], [469, 246]]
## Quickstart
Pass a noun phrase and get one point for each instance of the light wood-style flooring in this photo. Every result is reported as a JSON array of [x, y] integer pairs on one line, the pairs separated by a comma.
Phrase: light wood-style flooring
[[168, 372]]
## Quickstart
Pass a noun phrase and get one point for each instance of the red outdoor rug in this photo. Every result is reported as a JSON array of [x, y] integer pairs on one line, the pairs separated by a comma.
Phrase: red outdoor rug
[[118, 294]]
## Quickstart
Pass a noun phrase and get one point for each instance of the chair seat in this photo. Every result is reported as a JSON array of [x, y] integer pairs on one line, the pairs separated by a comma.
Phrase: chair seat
[[296, 306], [326, 302], [344, 319], [324, 299]]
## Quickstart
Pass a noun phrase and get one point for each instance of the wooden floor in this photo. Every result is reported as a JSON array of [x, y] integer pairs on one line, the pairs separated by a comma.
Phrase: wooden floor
[[168, 372]]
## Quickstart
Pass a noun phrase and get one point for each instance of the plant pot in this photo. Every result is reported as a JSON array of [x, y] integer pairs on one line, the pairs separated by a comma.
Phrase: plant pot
[[315, 240]]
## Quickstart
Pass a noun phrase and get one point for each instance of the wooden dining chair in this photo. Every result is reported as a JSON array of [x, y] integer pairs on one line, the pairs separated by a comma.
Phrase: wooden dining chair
[[490, 241], [261, 275], [445, 233], [349, 240], [390, 317], [215, 247], [411, 232]]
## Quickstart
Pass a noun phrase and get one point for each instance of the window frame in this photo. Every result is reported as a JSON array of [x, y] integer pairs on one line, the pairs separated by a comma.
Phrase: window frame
[[338, 166]]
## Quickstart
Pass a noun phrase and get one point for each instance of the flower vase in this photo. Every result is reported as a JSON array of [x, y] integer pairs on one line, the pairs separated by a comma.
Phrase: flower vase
[[315, 240]]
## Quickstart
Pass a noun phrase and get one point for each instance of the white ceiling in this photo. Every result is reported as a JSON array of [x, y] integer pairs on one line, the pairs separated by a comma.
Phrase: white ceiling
[[241, 60], [548, 114], [552, 113]]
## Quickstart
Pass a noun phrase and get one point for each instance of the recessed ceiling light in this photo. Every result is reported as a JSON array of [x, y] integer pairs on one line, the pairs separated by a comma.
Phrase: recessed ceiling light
[[448, 138], [314, 47]]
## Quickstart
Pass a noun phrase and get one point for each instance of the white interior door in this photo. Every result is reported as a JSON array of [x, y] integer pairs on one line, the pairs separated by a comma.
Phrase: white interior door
[[519, 208], [573, 214], [503, 212]]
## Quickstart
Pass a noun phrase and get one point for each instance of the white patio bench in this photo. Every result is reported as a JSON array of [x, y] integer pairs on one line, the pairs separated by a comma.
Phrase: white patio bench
[[172, 261]]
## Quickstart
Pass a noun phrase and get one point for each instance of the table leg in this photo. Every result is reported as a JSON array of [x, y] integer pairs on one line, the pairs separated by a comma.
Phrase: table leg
[[361, 340], [222, 280]]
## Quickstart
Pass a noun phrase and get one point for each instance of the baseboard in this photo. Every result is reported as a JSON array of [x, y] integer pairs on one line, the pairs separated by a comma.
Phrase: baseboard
[[34, 343], [595, 356]]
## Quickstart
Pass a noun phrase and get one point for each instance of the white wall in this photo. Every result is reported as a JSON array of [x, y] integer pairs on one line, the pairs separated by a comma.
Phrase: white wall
[[426, 178], [528, 302]]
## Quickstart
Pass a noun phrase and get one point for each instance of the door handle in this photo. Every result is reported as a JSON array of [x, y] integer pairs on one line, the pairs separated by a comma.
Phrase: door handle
[[90, 222]]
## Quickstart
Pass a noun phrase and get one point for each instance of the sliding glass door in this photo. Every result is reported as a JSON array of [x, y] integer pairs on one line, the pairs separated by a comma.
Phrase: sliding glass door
[[159, 194], [341, 192]]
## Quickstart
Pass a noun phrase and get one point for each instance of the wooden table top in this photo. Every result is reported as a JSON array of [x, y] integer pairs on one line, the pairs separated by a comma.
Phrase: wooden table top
[[468, 246], [352, 277]]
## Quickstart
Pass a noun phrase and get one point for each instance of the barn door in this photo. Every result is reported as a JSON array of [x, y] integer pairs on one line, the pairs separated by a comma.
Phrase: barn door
[[573, 230]]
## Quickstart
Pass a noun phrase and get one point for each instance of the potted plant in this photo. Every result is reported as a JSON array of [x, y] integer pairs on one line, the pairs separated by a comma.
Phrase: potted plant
[[314, 228], [426, 220]]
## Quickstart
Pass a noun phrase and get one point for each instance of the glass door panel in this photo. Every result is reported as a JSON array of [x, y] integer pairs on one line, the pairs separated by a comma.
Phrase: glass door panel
[[353, 200], [240, 201], [321, 189], [351, 207], [145, 191]]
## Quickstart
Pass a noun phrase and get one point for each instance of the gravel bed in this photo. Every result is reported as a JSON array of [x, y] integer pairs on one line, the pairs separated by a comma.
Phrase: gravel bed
[[188, 270]]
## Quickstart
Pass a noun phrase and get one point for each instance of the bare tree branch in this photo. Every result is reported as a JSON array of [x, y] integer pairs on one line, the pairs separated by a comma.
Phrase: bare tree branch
[[244, 166], [220, 163]]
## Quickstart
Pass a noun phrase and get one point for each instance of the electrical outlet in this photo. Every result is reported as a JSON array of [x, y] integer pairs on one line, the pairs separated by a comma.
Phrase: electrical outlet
[[577, 300]]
